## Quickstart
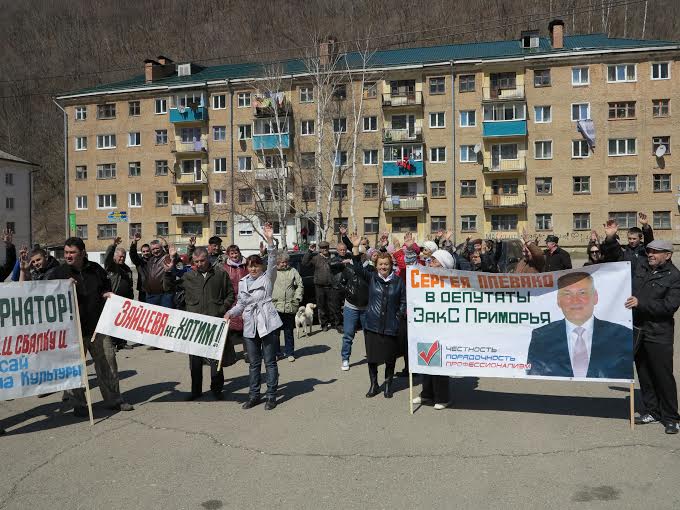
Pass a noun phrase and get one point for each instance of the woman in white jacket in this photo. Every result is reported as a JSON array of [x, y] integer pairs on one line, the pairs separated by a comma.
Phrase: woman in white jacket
[[260, 322]]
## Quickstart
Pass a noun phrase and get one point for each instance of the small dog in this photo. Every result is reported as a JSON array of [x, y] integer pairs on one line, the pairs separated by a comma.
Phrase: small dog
[[304, 317]]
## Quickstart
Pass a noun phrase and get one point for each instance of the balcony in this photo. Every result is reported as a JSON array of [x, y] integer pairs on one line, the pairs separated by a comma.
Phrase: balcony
[[503, 93], [395, 203], [403, 135], [271, 105], [415, 99], [392, 171], [505, 165], [191, 147], [504, 128], [181, 178], [189, 210], [493, 201], [271, 141], [187, 114]]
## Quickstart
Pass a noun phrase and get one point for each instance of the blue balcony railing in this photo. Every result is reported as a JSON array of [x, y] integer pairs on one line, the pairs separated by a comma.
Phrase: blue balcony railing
[[390, 169], [505, 128], [200, 114], [265, 142]]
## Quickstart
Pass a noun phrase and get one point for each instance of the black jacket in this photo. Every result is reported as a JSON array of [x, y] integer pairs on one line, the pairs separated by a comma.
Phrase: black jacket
[[386, 300], [322, 268], [612, 251], [556, 261], [6, 270], [92, 283], [40, 274], [356, 288], [658, 294], [120, 275], [488, 264]]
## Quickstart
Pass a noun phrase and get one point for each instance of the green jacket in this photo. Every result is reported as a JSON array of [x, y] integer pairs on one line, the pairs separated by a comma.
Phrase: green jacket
[[211, 295], [288, 290]]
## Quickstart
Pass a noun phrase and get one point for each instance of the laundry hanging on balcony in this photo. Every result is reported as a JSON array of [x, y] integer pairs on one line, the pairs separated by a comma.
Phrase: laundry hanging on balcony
[[269, 99], [406, 164], [587, 129]]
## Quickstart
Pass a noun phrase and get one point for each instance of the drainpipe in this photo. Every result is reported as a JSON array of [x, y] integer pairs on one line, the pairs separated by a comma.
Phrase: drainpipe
[[453, 149], [232, 216], [66, 197]]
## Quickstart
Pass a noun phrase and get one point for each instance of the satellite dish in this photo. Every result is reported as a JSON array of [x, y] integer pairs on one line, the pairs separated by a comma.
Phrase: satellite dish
[[660, 151], [478, 148]]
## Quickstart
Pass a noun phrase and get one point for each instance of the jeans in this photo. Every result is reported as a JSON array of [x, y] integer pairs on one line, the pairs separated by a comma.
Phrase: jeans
[[352, 319], [288, 327], [259, 348], [165, 300]]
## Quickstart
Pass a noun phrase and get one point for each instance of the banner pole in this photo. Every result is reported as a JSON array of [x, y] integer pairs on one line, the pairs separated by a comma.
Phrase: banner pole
[[224, 346], [85, 379], [410, 390], [632, 406]]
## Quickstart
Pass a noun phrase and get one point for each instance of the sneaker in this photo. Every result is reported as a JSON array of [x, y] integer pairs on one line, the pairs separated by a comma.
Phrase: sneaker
[[644, 419], [291, 358], [420, 400], [672, 428], [439, 407], [345, 365]]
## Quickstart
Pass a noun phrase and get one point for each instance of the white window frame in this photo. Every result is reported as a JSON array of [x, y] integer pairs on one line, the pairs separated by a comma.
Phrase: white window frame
[[372, 124], [160, 132], [219, 102], [668, 70], [244, 100], [542, 109], [113, 203], [216, 165], [626, 80], [245, 131], [371, 162], [582, 216], [160, 106], [219, 129], [81, 202], [80, 113], [434, 118], [544, 216], [438, 151], [245, 159], [579, 155], [81, 143], [580, 83], [587, 105], [656, 224], [220, 194], [467, 150], [136, 204], [131, 136], [471, 220], [629, 178], [622, 154], [551, 149], [340, 121], [307, 122], [111, 138], [309, 94]]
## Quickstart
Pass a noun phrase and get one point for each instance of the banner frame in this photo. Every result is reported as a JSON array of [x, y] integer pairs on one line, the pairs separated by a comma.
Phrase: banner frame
[[84, 376]]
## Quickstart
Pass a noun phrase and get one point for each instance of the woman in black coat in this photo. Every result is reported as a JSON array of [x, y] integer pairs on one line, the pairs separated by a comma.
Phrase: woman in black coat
[[386, 307]]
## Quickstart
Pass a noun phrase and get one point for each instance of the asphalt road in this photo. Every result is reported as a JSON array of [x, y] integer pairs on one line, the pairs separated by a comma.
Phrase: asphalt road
[[502, 444]]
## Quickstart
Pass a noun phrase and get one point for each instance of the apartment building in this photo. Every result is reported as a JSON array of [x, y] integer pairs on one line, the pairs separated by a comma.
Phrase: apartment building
[[544, 134], [16, 185]]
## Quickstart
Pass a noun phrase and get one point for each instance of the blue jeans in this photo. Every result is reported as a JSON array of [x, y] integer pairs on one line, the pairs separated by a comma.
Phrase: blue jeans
[[288, 320], [351, 321], [259, 348], [165, 300]]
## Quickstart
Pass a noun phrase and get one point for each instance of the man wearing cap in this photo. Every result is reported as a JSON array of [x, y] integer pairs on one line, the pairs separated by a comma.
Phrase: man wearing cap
[[556, 259], [634, 251], [323, 283]]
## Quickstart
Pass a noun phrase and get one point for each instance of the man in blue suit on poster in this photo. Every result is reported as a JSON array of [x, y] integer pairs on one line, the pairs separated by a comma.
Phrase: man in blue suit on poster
[[580, 345]]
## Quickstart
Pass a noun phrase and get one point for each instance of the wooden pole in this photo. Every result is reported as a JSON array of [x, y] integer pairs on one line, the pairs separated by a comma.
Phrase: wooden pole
[[224, 346], [632, 405], [410, 390], [85, 380]]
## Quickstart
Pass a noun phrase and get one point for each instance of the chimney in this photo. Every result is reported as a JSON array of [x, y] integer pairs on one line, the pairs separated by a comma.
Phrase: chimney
[[150, 72], [157, 69], [163, 60], [327, 51], [556, 28]]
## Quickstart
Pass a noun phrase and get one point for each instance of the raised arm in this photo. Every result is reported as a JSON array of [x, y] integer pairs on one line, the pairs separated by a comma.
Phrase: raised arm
[[647, 232], [268, 233], [134, 256], [108, 257]]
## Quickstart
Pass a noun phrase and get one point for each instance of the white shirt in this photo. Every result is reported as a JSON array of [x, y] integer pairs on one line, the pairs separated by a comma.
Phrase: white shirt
[[572, 337]]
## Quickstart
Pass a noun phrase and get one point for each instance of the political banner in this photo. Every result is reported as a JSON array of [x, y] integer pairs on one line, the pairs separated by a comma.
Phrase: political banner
[[39, 331], [165, 328], [564, 325]]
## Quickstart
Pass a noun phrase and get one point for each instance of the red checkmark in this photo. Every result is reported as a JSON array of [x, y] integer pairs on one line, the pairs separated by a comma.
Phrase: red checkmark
[[433, 349]]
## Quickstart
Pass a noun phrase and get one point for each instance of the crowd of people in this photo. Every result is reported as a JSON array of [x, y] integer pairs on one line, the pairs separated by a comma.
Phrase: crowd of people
[[356, 287]]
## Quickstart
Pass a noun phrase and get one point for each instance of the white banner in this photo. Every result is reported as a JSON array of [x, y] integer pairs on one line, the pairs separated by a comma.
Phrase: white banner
[[165, 328], [566, 325], [39, 333]]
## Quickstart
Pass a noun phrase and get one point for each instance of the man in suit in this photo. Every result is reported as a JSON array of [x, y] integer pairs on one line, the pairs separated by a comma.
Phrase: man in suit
[[580, 345]]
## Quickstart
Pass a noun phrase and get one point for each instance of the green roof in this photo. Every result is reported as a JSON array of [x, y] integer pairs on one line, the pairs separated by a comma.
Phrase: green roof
[[389, 58]]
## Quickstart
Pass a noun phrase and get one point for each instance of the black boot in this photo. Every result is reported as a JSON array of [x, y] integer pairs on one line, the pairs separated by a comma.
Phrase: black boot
[[374, 389], [389, 374]]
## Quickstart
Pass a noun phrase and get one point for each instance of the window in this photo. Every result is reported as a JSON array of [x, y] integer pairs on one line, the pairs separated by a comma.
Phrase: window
[[106, 201], [306, 94], [543, 185], [621, 73], [543, 149], [468, 118], [661, 107], [504, 111], [404, 189], [134, 169], [468, 154], [438, 85], [308, 193], [580, 111], [190, 134], [133, 229], [661, 71], [581, 185], [437, 223], [580, 149], [107, 231], [219, 102], [161, 167], [134, 108], [220, 196], [134, 139], [625, 219], [438, 189], [81, 231], [162, 228], [160, 106], [161, 136], [307, 127], [371, 123], [245, 132], [504, 222], [81, 174], [135, 199], [371, 225], [275, 161], [661, 220], [161, 198], [245, 163], [370, 90], [371, 191], [245, 228], [581, 221], [405, 224], [371, 157], [219, 165], [307, 160], [221, 228], [466, 83], [622, 146], [544, 222], [468, 188], [9, 202], [340, 125], [219, 133], [245, 196], [106, 141], [9, 177], [243, 99], [438, 154], [106, 111], [106, 171], [658, 141], [622, 110], [81, 143], [542, 78], [542, 114], [81, 112], [468, 223], [661, 183], [622, 183], [340, 158], [580, 76], [340, 192], [10, 226]]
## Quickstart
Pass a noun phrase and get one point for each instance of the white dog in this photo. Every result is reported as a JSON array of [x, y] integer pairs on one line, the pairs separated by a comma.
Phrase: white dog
[[304, 317]]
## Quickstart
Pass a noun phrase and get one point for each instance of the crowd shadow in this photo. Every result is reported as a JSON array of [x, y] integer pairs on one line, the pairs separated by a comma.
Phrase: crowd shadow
[[311, 350], [291, 389]]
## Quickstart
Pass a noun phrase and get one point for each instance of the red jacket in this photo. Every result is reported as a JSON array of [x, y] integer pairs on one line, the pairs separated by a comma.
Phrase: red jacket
[[236, 272]]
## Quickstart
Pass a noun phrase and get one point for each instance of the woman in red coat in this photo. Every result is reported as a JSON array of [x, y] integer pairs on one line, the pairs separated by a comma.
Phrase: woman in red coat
[[236, 267]]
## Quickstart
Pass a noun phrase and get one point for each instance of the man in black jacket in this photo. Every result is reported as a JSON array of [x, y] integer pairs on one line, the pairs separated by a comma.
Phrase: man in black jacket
[[655, 299], [634, 251], [11, 253], [92, 289], [120, 276], [556, 259], [139, 263], [323, 283]]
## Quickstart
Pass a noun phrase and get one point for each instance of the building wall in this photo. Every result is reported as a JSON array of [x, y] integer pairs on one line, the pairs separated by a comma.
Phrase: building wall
[[15, 185]]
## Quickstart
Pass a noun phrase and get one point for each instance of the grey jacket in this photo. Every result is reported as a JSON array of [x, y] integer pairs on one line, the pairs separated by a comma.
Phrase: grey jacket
[[288, 290]]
